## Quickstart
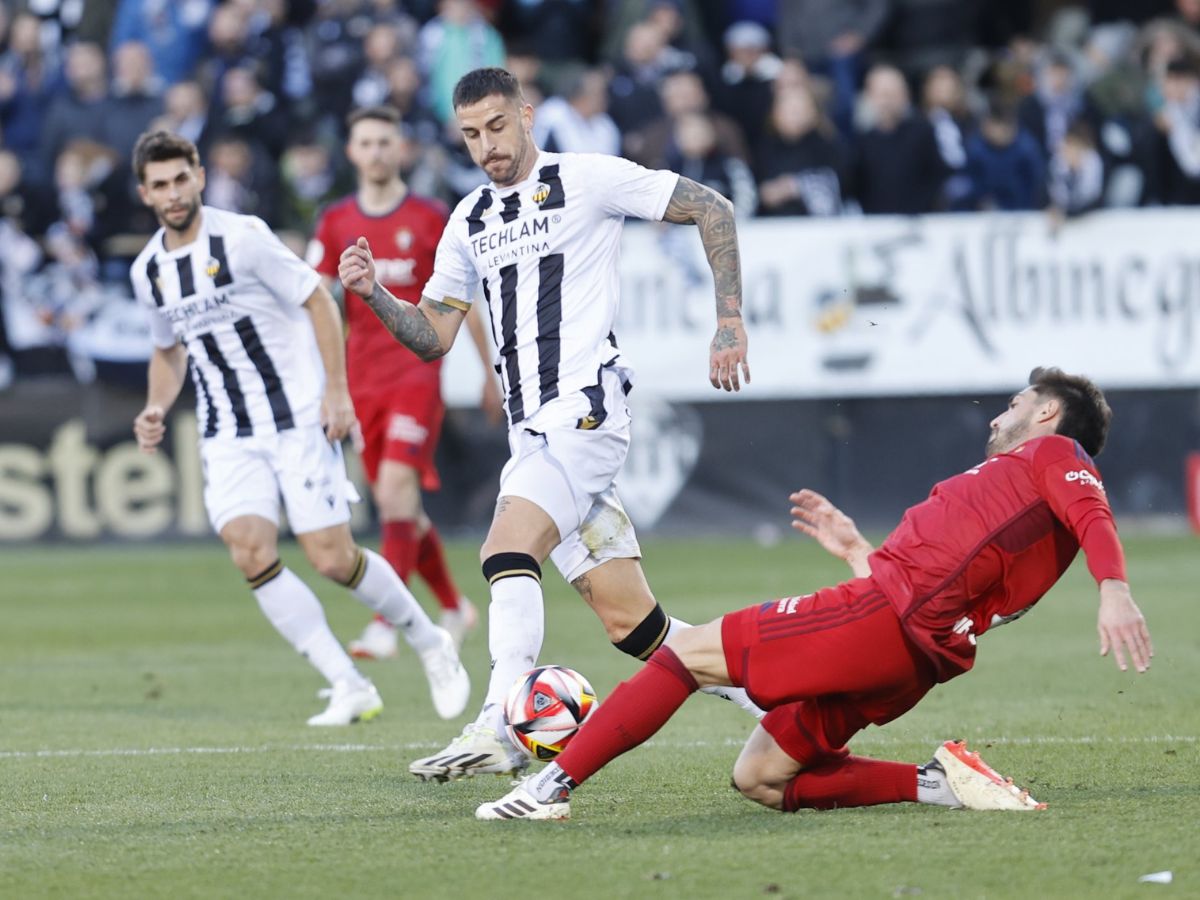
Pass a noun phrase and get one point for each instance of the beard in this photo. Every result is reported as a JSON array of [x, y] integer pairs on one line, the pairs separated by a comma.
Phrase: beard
[[508, 173], [190, 216], [1007, 438]]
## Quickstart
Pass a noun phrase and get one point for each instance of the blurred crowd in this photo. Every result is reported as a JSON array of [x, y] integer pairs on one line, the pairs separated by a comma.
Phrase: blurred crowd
[[788, 107]]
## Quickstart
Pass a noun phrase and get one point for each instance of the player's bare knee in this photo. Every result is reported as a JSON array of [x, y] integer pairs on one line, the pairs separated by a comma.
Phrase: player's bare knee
[[336, 563], [749, 781]]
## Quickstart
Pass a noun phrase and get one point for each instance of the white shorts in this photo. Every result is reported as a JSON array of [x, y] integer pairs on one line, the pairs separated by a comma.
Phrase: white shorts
[[246, 475], [569, 472]]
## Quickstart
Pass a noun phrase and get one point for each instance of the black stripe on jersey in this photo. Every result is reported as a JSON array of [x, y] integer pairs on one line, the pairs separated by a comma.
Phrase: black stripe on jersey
[[549, 312], [475, 217], [612, 339], [152, 275], [595, 394], [210, 410], [187, 283], [512, 207], [281, 410], [229, 378], [508, 349], [556, 199], [216, 250]]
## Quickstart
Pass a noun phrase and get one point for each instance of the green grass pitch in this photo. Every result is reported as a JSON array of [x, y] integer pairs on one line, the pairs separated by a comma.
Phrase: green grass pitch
[[152, 744]]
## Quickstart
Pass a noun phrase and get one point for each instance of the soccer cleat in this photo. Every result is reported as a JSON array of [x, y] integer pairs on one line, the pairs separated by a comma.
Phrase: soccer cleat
[[461, 621], [378, 641], [477, 751], [350, 702], [976, 784], [449, 684], [519, 803]]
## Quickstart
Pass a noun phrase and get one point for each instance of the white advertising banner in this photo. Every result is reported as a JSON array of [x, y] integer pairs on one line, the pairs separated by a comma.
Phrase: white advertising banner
[[909, 306]]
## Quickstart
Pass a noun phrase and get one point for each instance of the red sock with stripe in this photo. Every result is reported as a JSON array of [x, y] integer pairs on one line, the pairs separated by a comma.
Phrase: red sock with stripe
[[431, 566], [637, 709]]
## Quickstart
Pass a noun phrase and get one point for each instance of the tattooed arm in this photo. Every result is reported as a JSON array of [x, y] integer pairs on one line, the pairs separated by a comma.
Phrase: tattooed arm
[[427, 329], [695, 204]]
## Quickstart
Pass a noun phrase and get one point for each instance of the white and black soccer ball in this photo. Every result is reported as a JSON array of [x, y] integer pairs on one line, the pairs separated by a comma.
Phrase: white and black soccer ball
[[544, 709]]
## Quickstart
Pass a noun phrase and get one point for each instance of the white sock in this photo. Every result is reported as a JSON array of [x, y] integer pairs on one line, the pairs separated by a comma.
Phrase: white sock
[[933, 787], [550, 784], [291, 606], [732, 694], [516, 624], [380, 588]]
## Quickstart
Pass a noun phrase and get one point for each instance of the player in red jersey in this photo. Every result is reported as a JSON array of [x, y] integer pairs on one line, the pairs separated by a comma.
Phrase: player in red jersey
[[396, 395], [980, 551]]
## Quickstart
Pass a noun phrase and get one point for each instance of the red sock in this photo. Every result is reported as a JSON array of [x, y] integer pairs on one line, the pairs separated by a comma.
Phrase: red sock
[[629, 715], [431, 565], [851, 781], [400, 547]]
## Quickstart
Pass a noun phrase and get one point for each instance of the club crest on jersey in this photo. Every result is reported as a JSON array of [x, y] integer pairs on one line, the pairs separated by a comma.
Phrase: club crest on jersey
[[541, 193], [404, 239], [212, 267]]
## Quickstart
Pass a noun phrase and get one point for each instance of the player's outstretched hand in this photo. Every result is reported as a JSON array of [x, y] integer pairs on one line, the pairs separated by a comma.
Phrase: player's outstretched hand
[[149, 428], [813, 514], [337, 414], [357, 268], [1122, 626], [726, 353]]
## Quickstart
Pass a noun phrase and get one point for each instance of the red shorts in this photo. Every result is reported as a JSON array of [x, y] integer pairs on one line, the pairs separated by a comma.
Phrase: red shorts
[[403, 425], [825, 665]]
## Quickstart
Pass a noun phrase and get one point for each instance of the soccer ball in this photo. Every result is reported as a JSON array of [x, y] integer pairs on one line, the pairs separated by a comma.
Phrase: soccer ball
[[544, 709]]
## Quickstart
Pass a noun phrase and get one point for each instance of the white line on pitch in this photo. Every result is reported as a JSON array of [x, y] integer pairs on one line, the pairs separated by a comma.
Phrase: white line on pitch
[[424, 745]]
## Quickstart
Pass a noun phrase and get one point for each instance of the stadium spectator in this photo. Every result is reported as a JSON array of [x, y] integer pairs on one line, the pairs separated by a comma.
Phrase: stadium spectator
[[252, 113], [397, 396], [1179, 121], [563, 377], [944, 99], [271, 391], [802, 163], [923, 34], [747, 77], [91, 184], [175, 32], [561, 30], [82, 111], [578, 121], [452, 43], [830, 663], [334, 51], [681, 93], [186, 113], [1076, 173], [404, 95], [1057, 102], [29, 80], [1005, 163], [380, 48], [241, 180], [898, 167], [695, 154], [633, 90], [136, 97], [308, 181]]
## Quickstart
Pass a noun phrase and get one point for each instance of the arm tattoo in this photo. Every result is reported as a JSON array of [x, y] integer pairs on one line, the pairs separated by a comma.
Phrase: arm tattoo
[[407, 323], [693, 203]]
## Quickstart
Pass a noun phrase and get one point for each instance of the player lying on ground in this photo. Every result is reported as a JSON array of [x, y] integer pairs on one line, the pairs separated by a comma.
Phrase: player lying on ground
[[980, 551], [541, 243]]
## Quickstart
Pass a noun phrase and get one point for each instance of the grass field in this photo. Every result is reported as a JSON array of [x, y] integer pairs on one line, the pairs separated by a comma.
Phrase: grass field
[[152, 744]]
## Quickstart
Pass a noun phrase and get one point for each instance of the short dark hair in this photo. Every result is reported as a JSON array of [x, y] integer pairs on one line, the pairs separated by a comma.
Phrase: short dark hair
[[160, 146], [388, 114], [1085, 413], [480, 83]]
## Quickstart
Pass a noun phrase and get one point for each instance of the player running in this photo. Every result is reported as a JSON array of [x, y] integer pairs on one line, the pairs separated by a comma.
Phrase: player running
[[542, 241], [263, 341], [980, 552], [396, 395]]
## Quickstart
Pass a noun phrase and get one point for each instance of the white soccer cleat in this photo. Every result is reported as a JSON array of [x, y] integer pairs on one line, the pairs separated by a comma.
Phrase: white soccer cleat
[[449, 683], [460, 622], [520, 804], [350, 702], [378, 641], [976, 784], [477, 751]]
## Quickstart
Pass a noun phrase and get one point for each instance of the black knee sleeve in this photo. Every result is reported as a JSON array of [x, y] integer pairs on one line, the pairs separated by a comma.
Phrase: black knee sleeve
[[647, 636], [511, 565]]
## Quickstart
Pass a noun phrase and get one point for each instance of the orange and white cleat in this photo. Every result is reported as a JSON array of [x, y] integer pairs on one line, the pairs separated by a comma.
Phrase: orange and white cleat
[[976, 784]]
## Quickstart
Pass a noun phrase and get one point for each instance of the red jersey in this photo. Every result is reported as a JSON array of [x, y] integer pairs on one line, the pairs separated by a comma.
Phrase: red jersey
[[403, 243], [988, 543]]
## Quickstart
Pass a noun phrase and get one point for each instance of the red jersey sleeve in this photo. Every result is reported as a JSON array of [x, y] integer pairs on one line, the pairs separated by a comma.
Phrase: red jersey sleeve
[[1068, 480], [323, 252]]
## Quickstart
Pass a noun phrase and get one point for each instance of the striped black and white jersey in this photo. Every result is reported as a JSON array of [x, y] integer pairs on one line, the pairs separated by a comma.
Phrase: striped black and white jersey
[[234, 298], [545, 253]]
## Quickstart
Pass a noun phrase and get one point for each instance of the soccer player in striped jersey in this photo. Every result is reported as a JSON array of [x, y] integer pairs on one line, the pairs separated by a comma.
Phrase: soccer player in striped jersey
[[541, 243], [262, 339], [397, 396], [986, 545]]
